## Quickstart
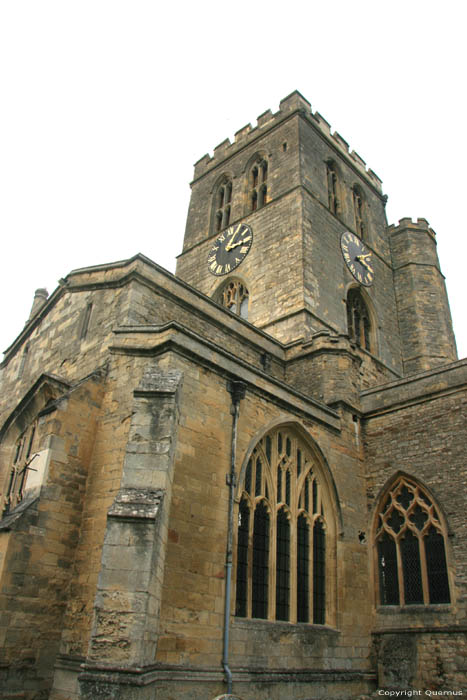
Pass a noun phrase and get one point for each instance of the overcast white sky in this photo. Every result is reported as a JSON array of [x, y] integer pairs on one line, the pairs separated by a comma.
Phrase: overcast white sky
[[106, 105]]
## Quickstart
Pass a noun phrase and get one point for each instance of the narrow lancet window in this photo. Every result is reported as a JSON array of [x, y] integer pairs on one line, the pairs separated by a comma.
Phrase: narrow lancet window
[[359, 212], [257, 185], [222, 205], [358, 320], [333, 198]]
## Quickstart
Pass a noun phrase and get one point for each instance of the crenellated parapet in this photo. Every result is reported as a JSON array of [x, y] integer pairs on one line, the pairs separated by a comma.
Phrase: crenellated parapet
[[406, 223], [294, 103]]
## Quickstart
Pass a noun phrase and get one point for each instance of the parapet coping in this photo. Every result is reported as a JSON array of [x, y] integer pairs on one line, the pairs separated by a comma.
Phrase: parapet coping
[[292, 104], [255, 334], [386, 397]]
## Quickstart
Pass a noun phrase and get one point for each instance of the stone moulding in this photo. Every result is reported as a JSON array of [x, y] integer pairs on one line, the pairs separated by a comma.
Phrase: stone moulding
[[141, 676], [133, 503]]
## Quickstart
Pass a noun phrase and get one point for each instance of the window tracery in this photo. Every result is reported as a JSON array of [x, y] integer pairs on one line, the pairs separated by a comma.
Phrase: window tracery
[[410, 548], [358, 320], [234, 296], [281, 539]]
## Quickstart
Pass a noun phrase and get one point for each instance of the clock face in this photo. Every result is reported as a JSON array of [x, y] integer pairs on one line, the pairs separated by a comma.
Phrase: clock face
[[230, 248], [357, 258]]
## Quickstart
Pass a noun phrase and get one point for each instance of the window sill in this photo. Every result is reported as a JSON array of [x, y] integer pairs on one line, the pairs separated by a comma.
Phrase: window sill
[[291, 627], [417, 609]]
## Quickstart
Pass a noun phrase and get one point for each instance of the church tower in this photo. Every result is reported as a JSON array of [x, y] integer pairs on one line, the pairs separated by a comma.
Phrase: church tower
[[287, 228]]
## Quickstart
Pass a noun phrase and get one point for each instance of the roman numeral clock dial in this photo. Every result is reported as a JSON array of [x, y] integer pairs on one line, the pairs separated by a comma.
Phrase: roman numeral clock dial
[[230, 249], [357, 258]]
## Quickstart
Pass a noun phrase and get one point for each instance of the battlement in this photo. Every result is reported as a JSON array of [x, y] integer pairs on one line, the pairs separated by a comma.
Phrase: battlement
[[407, 224], [295, 102]]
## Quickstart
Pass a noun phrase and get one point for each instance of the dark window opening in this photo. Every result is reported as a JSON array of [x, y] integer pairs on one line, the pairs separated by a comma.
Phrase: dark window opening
[[283, 567], [242, 559], [411, 551], [281, 544], [303, 557], [259, 607], [319, 592]]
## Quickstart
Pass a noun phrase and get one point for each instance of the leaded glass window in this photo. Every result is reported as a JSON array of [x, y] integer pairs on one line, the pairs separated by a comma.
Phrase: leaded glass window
[[410, 548], [281, 540]]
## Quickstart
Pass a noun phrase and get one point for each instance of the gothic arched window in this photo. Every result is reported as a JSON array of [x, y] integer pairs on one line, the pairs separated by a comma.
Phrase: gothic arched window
[[234, 296], [22, 457], [358, 320], [333, 194], [359, 211], [410, 548], [257, 184], [281, 538], [222, 204]]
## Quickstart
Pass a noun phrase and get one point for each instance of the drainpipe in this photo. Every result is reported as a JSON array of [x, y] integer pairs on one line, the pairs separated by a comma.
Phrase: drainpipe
[[237, 392]]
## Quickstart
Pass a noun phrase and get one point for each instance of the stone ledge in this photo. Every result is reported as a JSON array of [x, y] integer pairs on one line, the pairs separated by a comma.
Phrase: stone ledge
[[139, 504], [140, 676]]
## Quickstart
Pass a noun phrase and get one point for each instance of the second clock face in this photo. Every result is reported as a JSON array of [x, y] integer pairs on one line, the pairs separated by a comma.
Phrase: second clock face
[[357, 258], [230, 248]]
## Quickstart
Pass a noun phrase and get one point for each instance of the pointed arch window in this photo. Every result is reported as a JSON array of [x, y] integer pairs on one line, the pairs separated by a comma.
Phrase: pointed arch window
[[410, 548], [234, 296], [358, 320], [333, 186], [222, 204], [359, 211], [23, 456], [281, 537], [258, 185]]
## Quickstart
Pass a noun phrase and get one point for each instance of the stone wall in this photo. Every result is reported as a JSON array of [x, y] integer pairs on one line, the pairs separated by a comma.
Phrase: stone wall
[[418, 427]]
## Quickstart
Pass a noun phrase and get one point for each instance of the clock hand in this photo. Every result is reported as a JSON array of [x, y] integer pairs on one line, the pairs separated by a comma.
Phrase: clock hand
[[234, 245], [231, 245], [362, 261]]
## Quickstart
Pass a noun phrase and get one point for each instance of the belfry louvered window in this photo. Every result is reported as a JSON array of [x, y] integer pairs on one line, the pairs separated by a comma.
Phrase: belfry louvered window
[[410, 548], [281, 537]]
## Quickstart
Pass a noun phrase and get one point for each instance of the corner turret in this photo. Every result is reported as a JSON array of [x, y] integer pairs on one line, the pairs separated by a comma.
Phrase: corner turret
[[427, 337]]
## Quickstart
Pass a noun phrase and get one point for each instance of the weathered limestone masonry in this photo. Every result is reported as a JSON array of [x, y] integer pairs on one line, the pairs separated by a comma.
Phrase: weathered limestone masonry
[[423, 309], [123, 448], [417, 426]]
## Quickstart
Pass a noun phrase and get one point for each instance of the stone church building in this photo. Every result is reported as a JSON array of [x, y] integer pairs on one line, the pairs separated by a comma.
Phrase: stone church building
[[247, 478]]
